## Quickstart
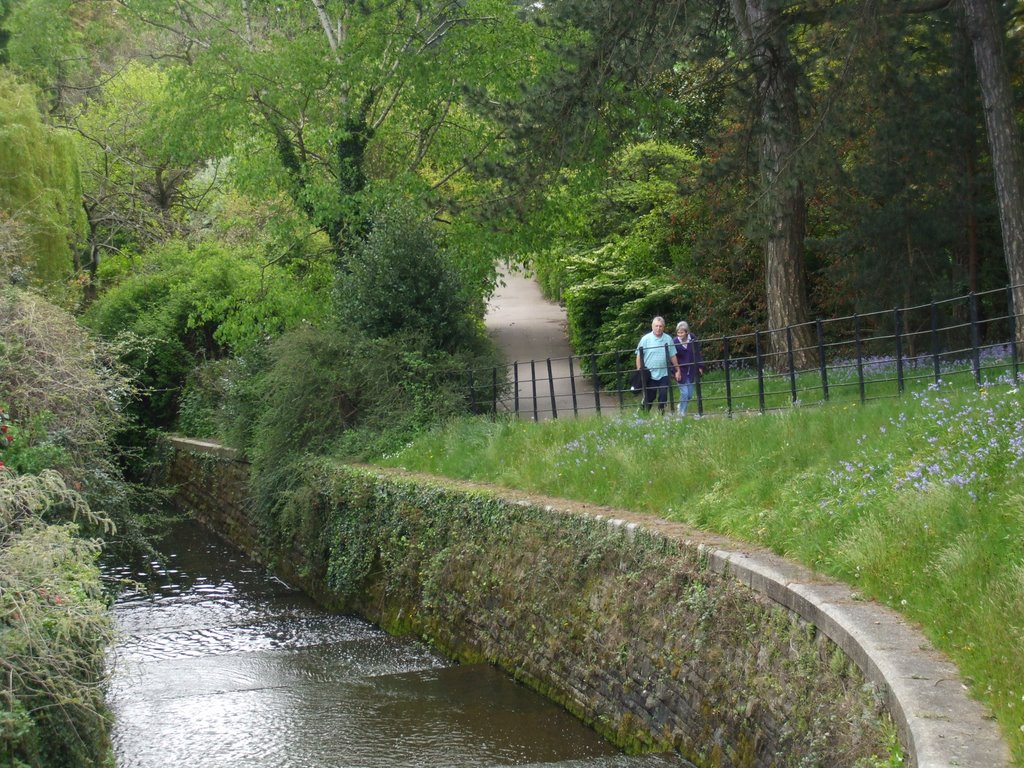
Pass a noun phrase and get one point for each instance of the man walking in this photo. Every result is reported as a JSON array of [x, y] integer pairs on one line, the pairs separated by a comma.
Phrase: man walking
[[656, 352]]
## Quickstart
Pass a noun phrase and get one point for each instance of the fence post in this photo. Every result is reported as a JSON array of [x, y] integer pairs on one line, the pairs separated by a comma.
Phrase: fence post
[[533, 385], [618, 377], [494, 391], [671, 379], [515, 383], [572, 387], [859, 347], [1012, 312], [897, 332], [551, 391], [728, 380], [972, 304], [789, 359], [597, 383], [820, 327], [935, 343], [760, 370], [472, 392]]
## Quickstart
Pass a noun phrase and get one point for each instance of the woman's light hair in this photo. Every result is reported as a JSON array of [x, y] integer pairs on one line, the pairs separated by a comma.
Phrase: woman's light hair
[[682, 324]]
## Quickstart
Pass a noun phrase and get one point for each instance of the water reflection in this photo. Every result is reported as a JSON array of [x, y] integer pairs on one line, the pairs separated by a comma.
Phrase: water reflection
[[220, 664]]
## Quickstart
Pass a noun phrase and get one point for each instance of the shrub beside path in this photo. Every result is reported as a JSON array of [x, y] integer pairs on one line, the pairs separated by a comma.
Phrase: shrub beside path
[[939, 723]]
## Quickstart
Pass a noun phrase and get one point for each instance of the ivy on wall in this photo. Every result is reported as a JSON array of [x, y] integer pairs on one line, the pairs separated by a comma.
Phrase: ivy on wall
[[629, 630]]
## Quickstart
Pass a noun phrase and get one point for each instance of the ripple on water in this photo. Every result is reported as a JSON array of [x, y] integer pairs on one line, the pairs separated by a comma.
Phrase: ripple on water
[[220, 664]]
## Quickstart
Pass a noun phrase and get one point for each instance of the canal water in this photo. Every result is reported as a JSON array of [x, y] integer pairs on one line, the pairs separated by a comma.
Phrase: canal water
[[219, 664]]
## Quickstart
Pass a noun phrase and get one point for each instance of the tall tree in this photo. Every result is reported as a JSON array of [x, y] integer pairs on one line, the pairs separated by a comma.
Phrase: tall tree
[[901, 218], [137, 184], [61, 46], [325, 99], [764, 30], [41, 191], [988, 45], [619, 54]]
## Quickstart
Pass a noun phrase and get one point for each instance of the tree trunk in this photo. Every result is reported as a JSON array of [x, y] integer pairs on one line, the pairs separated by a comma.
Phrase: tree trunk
[[987, 43], [763, 29], [971, 256]]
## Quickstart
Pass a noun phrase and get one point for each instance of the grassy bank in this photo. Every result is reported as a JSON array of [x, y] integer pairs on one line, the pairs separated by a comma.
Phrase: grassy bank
[[918, 502]]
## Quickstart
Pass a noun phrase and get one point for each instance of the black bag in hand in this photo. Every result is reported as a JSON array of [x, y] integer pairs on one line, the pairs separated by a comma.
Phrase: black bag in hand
[[639, 380]]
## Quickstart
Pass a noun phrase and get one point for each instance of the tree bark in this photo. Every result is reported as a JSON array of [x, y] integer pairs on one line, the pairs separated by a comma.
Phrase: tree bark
[[784, 206], [987, 44]]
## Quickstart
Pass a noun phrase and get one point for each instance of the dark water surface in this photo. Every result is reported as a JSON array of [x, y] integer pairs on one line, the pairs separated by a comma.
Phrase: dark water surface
[[220, 664]]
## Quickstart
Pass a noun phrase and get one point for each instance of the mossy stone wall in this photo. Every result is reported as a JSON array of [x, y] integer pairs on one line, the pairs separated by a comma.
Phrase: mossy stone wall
[[629, 630]]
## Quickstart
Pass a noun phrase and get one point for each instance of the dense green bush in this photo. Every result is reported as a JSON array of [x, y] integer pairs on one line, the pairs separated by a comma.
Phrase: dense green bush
[[189, 303], [392, 364], [64, 395], [41, 193], [60, 397], [327, 391], [54, 628], [648, 241], [401, 284]]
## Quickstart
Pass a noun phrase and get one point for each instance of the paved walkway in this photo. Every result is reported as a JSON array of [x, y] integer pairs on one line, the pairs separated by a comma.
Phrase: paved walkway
[[531, 331]]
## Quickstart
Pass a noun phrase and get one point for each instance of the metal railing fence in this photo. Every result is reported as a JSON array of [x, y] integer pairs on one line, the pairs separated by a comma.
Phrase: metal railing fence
[[861, 356]]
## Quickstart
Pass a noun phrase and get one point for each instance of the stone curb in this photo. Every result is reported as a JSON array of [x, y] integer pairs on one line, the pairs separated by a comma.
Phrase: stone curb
[[204, 446], [940, 725]]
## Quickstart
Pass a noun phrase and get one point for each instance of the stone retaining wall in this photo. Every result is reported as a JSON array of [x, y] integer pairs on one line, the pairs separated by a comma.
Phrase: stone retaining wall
[[642, 633], [212, 483]]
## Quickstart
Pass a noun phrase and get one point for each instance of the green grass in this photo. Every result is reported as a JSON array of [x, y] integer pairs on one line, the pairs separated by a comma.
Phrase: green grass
[[917, 502]]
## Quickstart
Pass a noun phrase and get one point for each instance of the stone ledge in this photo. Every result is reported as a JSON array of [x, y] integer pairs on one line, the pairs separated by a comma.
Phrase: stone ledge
[[939, 723], [207, 447]]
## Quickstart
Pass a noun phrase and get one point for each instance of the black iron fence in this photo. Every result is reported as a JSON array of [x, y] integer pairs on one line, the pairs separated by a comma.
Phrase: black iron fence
[[861, 357]]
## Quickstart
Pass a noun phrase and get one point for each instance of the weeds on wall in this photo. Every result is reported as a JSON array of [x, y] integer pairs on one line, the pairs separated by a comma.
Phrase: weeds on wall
[[553, 597]]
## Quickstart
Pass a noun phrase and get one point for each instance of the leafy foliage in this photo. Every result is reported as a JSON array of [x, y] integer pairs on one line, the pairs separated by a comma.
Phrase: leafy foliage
[[139, 186], [322, 391], [62, 404], [327, 118], [41, 192], [60, 46], [54, 628], [391, 364], [192, 302], [61, 388], [649, 241], [401, 286]]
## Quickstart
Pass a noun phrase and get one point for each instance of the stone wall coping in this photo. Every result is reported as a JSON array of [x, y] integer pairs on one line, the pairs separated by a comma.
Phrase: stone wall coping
[[208, 447], [940, 724]]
